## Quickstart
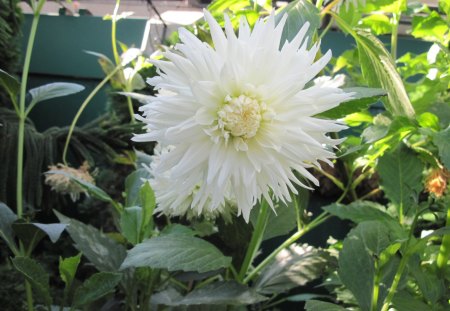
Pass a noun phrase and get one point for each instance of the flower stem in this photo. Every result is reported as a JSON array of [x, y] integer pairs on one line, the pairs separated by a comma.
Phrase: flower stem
[[82, 107], [21, 112], [393, 288], [376, 287], [29, 295], [329, 7], [444, 250], [256, 240], [394, 35], [113, 33], [317, 221]]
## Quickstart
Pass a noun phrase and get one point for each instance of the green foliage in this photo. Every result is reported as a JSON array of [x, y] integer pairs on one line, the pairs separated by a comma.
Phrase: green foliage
[[298, 13], [36, 275], [94, 288], [176, 252], [9, 83], [102, 251], [218, 293], [68, 267], [316, 305], [442, 141], [401, 175], [31, 233], [7, 218]]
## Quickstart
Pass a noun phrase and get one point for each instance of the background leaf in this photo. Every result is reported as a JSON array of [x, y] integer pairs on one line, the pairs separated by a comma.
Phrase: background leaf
[[401, 175], [11, 85], [442, 141], [363, 97], [94, 288], [52, 90], [292, 267], [7, 218], [102, 251], [217, 293], [36, 275], [299, 12], [176, 252], [68, 267], [316, 305], [131, 223]]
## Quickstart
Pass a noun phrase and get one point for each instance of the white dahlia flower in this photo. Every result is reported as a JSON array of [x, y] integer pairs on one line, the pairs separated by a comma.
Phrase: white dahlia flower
[[172, 202], [239, 115]]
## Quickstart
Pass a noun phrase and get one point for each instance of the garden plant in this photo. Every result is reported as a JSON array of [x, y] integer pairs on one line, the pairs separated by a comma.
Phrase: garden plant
[[252, 139]]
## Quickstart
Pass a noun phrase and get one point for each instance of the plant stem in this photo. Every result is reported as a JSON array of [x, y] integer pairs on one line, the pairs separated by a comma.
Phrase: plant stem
[[335, 181], [397, 277], [319, 4], [21, 112], [29, 295], [444, 250], [81, 109], [256, 240], [113, 33], [376, 287], [329, 7], [394, 35], [317, 221]]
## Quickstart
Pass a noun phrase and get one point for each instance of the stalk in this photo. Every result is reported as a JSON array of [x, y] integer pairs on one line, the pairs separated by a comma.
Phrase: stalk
[[394, 36], [376, 287], [82, 107], [317, 221], [256, 240], [397, 277], [21, 113], [444, 250], [113, 33]]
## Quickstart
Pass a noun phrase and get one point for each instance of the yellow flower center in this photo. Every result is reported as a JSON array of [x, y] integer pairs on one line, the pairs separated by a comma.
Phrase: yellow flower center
[[241, 116]]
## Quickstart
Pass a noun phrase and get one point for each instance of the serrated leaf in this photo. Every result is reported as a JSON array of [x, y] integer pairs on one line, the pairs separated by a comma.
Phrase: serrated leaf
[[431, 27], [53, 90], [378, 69], [362, 98], [357, 260], [7, 218], [36, 275], [316, 305], [131, 223], [11, 84], [378, 23], [299, 12], [405, 301], [217, 293], [292, 267], [401, 176], [94, 288], [103, 252], [68, 267], [442, 141], [176, 252]]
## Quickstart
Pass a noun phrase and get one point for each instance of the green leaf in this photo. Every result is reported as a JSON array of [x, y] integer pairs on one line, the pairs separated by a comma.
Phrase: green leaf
[[429, 120], [316, 305], [148, 203], [378, 23], [378, 69], [7, 218], [363, 97], [36, 275], [178, 229], [431, 286], [442, 141], [299, 12], [405, 301], [361, 211], [176, 252], [131, 223], [292, 267], [32, 233], [68, 267], [53, 90], [356, 264], [217, 293], [431, 27], [11, 85], [102, 251], [92, 189], [401, 176], [94, 288], [133, 184]]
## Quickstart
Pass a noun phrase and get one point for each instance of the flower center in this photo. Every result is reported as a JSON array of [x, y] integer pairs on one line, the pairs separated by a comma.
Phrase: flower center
[[241, 116]]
